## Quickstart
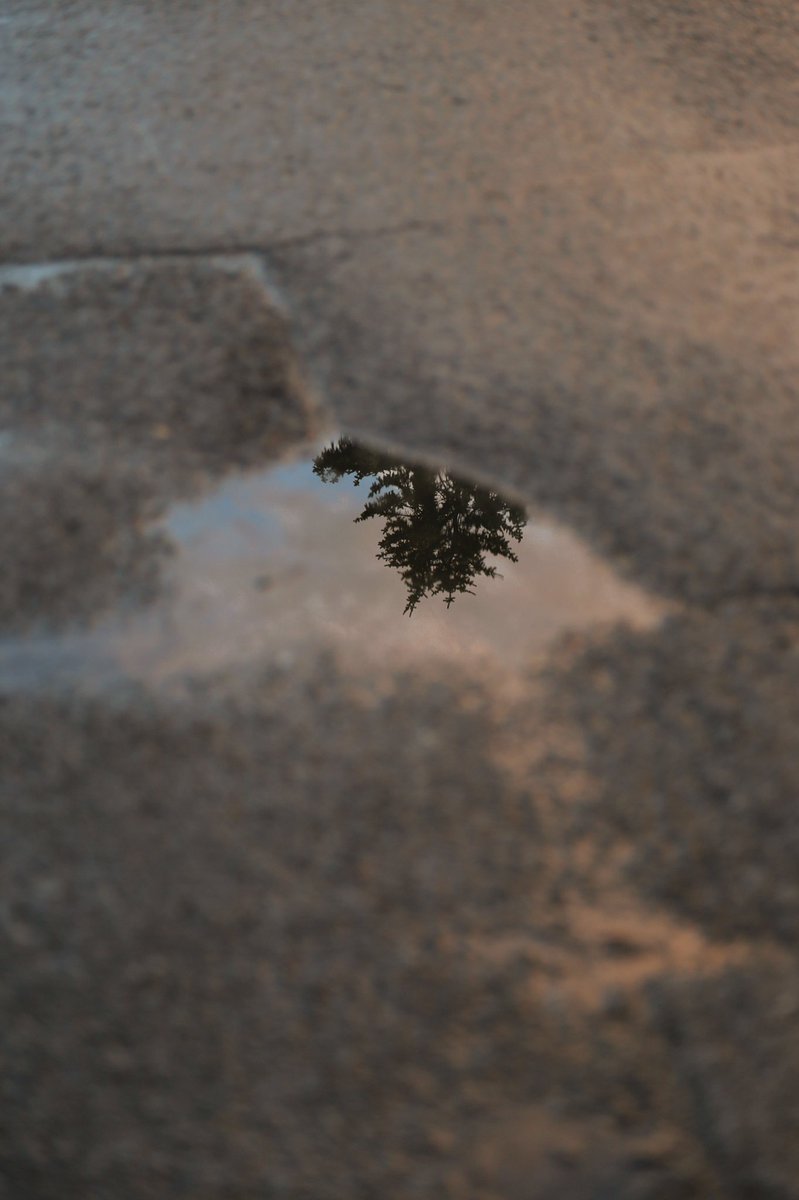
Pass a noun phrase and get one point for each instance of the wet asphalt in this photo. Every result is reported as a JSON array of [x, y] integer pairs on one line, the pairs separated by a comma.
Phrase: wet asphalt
[[312, 927]]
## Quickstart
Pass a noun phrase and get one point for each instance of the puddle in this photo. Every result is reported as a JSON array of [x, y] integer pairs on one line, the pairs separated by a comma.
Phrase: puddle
[[352, 550]]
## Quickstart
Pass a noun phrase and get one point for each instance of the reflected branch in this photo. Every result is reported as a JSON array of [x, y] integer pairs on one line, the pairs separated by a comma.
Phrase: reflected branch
[[438, 530]]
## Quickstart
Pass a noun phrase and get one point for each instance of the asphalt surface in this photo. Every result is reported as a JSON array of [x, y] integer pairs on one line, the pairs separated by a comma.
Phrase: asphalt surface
[[323, 929]]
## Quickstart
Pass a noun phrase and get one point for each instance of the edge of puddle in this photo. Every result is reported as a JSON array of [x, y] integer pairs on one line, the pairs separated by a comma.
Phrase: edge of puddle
[[215, 614]]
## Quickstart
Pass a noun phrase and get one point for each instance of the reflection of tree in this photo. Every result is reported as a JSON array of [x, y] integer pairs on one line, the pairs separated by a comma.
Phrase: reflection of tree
[[437, 529]]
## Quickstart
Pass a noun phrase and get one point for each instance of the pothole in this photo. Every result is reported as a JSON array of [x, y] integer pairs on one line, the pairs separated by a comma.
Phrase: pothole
[[349, 549]]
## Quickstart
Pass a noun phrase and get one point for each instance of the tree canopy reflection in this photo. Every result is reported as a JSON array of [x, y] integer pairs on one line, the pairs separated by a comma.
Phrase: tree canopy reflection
[[438, 530]]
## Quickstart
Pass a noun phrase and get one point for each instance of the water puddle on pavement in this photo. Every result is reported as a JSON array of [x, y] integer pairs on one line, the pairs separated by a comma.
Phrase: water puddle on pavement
[[358, 551]]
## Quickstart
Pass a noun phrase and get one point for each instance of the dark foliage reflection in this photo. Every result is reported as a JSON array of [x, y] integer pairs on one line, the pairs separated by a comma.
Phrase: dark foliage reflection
[[437, 530]]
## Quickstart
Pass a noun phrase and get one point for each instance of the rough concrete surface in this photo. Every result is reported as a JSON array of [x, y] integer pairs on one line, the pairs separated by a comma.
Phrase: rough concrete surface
[[318, 929]]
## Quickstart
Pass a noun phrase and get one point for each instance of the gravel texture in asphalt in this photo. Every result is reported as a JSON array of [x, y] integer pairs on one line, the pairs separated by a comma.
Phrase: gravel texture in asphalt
[[315, 922]]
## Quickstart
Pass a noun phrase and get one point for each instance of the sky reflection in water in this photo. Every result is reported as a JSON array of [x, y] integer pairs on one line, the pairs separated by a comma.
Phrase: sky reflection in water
[[332, 549], [324, 554]]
